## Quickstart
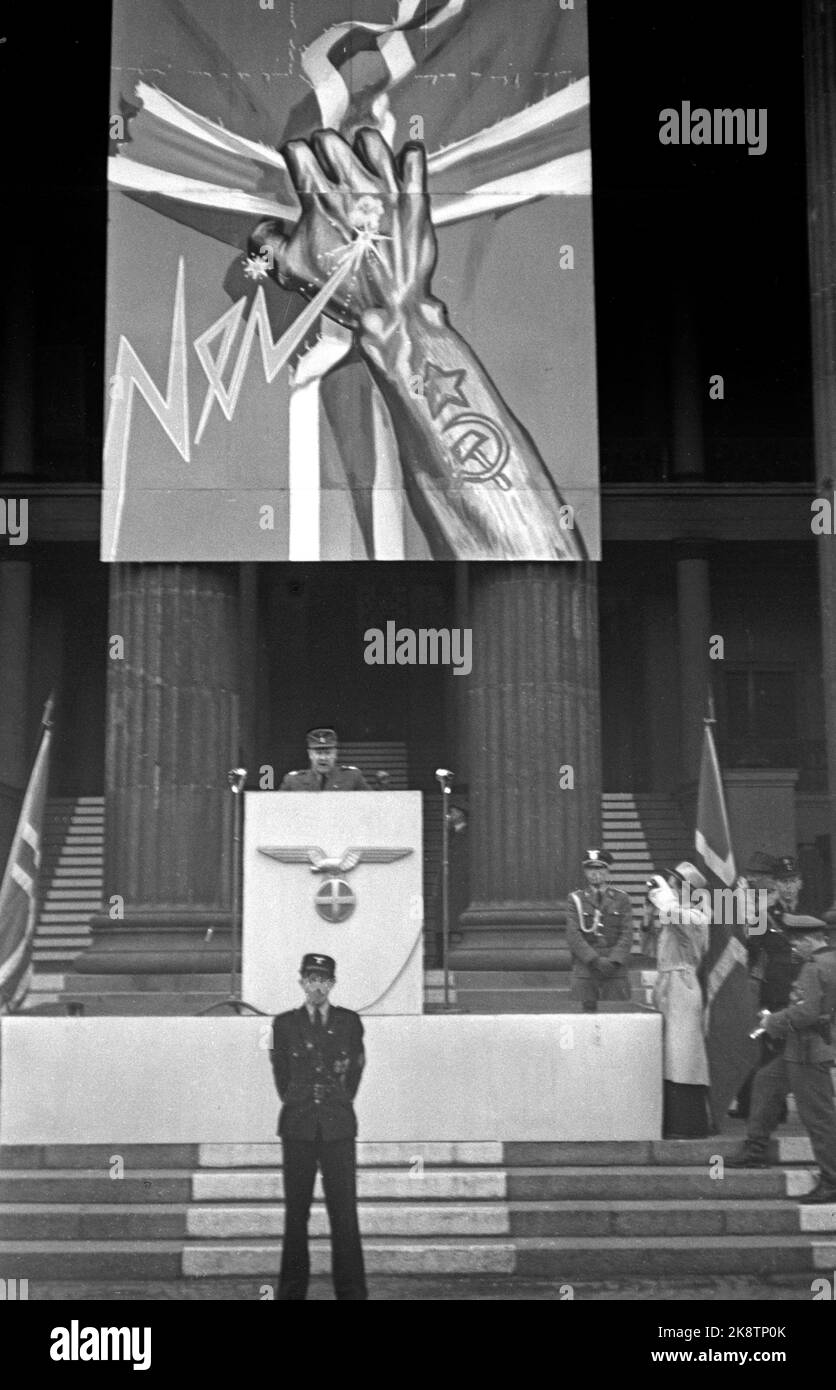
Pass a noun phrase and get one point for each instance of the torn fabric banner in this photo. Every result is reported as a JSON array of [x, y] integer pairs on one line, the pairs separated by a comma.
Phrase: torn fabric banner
[[252, 411]]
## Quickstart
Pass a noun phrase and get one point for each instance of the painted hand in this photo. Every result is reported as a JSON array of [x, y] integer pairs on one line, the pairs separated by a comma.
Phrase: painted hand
[[364, 210]]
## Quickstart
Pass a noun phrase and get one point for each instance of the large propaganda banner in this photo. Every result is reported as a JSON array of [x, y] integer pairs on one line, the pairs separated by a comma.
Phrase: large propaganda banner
[[350, 290]]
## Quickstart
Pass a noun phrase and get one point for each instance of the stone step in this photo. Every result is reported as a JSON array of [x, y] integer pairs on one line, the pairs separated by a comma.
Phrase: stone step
[[173, 1157], [249, 1221], [86, 1186], [633, 1183], [696, 1217], [171, 1259], [532, 1002], [563, 1259], [513, 1001], [210, 983], [142, 1004], [254, 1221], [569, 1258], [510, 979], [54, 916]]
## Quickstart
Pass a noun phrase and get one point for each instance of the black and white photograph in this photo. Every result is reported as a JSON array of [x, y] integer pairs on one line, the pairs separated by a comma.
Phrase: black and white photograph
[[458, 925]]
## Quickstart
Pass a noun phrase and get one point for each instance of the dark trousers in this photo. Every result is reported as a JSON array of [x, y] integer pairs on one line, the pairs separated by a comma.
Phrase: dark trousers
[[812, 1087], [337, 1160], [589, 989]]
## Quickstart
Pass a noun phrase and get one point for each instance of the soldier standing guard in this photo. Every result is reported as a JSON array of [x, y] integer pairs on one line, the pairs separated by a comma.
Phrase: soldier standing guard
[[318, 1059], [599, 931], [323, 775]]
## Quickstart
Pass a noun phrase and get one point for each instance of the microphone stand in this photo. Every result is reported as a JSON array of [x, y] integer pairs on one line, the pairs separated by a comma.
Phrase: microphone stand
[[444, 778], [236, 778]]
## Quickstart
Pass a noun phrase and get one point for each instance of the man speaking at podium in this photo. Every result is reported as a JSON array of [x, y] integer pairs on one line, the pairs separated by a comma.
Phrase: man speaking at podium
[[323, 775]]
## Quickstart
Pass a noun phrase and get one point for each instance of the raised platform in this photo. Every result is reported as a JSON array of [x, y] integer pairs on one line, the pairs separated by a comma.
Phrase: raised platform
[[548, 1077]]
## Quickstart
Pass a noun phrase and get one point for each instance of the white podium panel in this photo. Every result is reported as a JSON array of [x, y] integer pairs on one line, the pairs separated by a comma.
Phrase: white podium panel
[[337, 873]]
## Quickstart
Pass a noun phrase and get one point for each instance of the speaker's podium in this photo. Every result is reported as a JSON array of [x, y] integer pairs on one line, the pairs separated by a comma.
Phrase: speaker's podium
[[338, 873]]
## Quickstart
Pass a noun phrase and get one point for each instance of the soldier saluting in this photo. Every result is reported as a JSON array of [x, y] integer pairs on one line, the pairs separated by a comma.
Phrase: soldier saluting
[[324, 775], [599, 931]]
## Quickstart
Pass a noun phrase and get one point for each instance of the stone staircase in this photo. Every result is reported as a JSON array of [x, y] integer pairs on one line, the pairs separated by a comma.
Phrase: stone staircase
[[644, 834], [571, 1212], [71, 884]]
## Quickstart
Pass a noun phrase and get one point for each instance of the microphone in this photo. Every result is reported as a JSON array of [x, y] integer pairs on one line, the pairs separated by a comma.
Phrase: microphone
[[443, 775]]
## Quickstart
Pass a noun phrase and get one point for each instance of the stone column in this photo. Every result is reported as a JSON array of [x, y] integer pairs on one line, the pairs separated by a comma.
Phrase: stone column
[[15, 749], [820, 104], [693, 600], [16, 463], [172, 735], [534, 722]]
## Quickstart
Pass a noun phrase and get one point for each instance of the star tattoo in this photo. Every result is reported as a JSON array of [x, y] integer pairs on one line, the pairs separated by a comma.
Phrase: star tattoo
[[443, 388]]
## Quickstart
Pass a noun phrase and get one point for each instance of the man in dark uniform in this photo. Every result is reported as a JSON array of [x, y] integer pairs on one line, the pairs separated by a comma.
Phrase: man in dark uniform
[[804, 1066], [599, 932], [789, 881], [318, 1059], [323, 775], [773, 965]]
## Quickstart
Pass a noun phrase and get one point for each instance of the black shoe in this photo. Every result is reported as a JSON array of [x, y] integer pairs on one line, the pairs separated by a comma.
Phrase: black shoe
[[747, 1158], [823, 1193]]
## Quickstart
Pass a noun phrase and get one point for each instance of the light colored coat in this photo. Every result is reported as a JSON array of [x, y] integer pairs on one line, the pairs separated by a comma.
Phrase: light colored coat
[[682, 942]]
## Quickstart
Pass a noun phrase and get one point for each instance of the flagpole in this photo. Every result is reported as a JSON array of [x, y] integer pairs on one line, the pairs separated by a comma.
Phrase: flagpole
[[46, 717]]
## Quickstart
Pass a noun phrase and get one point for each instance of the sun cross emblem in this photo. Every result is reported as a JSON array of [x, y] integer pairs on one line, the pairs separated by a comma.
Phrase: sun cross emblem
[[334, 899]]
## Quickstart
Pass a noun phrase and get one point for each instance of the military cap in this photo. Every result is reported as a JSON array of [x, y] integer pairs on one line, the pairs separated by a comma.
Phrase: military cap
[[321, 738], [800, 922], [597, 859], [786, 866], [326, 964], [762, 865], [688, 873]]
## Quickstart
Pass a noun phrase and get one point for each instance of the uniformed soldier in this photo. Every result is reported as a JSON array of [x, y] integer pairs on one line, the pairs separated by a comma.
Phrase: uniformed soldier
[[773, 965], [318, 1059], [789, 882], [323, 775], [804, 1065], [599, 931]]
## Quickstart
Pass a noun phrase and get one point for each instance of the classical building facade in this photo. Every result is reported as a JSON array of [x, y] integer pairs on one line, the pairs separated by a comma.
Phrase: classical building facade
[[712, 579]]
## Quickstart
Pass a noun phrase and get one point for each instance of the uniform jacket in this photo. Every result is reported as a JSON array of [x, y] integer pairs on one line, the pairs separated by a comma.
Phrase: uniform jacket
[[615, 935], [317, 1073], [813, 998], [773, 964], [344, 778]]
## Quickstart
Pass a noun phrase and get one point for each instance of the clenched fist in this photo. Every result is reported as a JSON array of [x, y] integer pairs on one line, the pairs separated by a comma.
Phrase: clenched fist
[[361, 207]]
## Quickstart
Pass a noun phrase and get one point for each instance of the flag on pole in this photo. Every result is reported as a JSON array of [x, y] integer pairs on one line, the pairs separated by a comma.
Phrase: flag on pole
[[713, 837], [19, 887], [729, 1006]]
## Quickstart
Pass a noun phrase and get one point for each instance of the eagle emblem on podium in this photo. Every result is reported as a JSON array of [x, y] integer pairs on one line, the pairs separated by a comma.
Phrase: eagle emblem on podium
[[335, 900]]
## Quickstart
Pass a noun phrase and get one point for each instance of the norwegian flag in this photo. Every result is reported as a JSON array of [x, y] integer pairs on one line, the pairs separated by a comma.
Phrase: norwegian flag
[[19, 887], [729, 1006], [205, 103]]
